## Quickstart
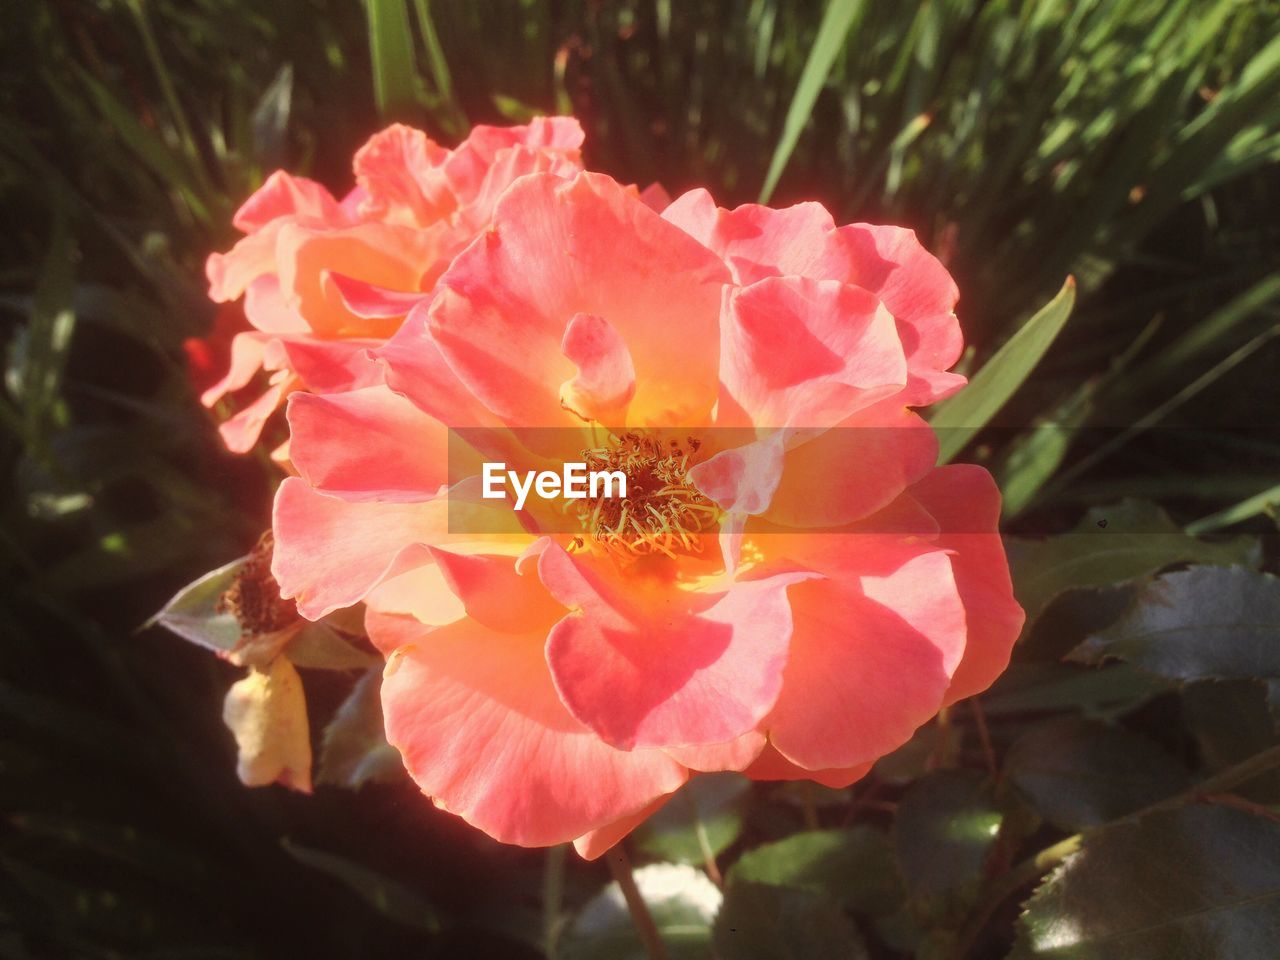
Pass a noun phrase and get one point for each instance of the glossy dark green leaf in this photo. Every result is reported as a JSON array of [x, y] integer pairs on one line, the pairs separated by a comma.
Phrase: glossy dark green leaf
[[910, 760], [1111, 545], [702, 819], [354, 748], [1106, 692], [945, 828], [681, 899], [854, 867], [1204, 623], [764, 922], [1189, 884], [1080, 773], [1230, 722]]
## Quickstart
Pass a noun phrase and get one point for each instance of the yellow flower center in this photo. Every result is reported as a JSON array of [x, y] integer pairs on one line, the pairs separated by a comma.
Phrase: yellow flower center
[[662, 513]]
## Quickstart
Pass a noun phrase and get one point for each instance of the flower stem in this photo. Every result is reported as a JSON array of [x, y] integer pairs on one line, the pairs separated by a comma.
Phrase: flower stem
[[552, 897], [810, 806], [620, 867]]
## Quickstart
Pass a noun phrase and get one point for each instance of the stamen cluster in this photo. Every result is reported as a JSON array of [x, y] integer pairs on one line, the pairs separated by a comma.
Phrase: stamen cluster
[[662, 513]]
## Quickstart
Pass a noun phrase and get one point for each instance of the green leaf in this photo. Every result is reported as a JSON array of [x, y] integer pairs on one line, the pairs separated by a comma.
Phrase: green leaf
[[854, 867], [389, 897], [681, 899], [829, 41], [271, 120], [354, 748], [763, 922], [1265, 502], [1080, 773], [1200, 881], [318, 646], [38, 352], [1204, 623], [447, 110], [700, 821], [1035, 455], [945, 828], [395, 77], [1111, 545], [957, 420], [1232, 721], [193, 615], [912, 759], [1106, 693]]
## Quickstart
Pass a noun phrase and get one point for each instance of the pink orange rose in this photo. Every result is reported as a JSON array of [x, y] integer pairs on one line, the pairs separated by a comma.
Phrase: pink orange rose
[[791, 587], [325, 280]]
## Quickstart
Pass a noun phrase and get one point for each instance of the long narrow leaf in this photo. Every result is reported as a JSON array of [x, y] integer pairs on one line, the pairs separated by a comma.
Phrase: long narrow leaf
[[957, 420], [395, 77], [833, 30], [1244, 510]]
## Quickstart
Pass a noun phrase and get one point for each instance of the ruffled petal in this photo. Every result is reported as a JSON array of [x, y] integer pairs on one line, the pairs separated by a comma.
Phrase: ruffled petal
[[855, 469], [606, 378], [329, 553], [759, 242], [872, 654], [477, 720], [396, 170], [247, 350], [284, 195], [368, 444], [805, 353], [558, 248], [655, 673], [591, 845], [242, 431], [966, 503], [384, 255], [771, 765]]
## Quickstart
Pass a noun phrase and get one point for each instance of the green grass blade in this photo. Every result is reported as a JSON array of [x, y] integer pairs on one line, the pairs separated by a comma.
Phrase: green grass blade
[[959, 418], [395, 77], [1244, 510], [450, 113], [1149, 420], [1209, 334], [835, 27]]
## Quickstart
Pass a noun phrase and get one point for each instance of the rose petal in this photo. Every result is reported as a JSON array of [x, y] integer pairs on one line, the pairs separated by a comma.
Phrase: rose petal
[[966, 503], [872, 654], [606, 378], [283, 195], [477, 720], [804, 353], [650, 673], [368, 444], [329, 553], [771, 765], [554, 251]]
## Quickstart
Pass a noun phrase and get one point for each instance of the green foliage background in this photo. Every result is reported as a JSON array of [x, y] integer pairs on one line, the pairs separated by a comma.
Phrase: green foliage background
[[1130, 144]]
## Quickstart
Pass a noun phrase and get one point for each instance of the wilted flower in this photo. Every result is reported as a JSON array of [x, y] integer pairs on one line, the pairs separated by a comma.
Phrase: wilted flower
[[790, 587]]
